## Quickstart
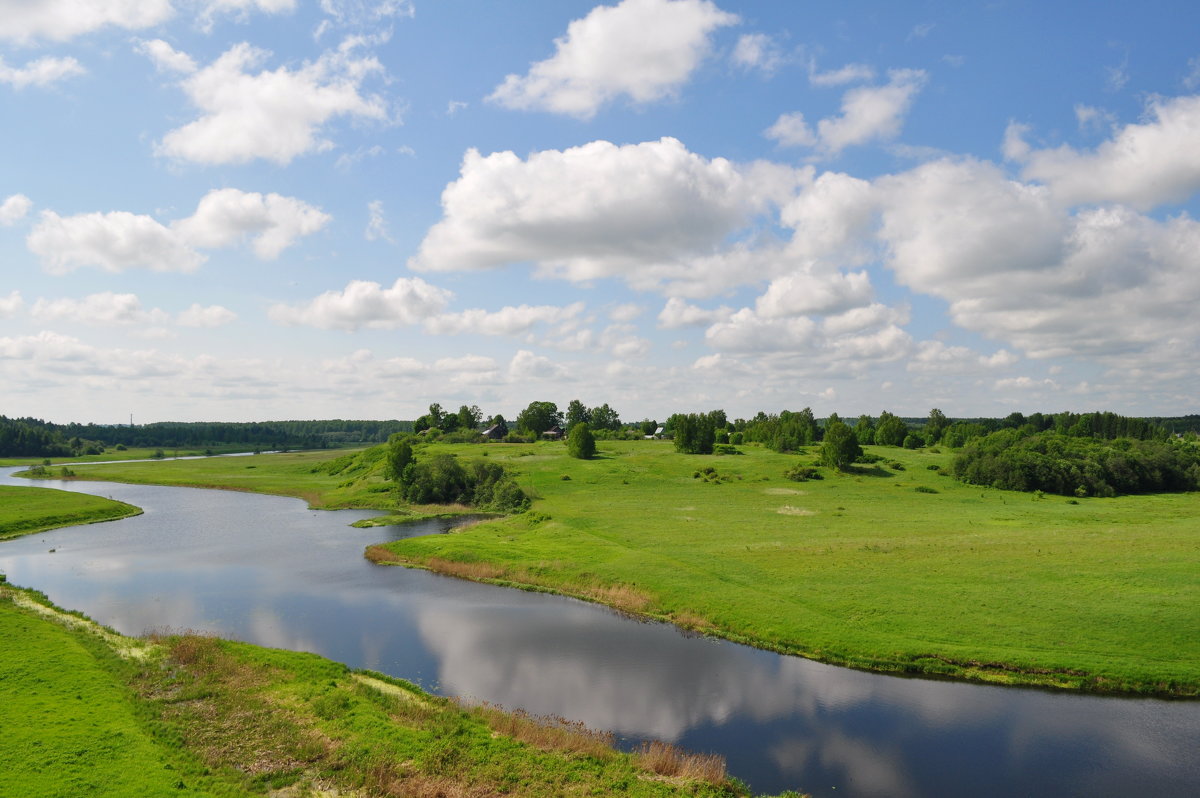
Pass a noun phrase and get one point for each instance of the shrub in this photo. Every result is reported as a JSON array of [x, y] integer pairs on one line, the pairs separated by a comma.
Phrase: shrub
[[925, 489], [802, 473], [580, 442]]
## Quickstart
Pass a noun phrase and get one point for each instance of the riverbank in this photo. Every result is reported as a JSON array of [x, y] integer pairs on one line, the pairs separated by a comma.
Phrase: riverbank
[[88, 711], [26, 511], [895, 567]]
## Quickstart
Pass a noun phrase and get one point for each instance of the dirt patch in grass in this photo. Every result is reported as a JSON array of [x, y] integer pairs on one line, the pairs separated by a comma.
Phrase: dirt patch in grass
[[788, 509]]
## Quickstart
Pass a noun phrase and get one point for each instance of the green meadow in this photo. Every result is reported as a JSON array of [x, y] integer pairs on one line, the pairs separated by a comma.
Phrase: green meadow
[[894, 567], [24, 511]]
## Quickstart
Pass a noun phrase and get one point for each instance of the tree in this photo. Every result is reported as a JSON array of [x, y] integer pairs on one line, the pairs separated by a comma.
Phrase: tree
[[864, 430], [576, 414], [399, 458], [580, 442], [840, 448], [538, 417], [935, 426], [604, 417], [469, 417], [890, 431], [649, 426]]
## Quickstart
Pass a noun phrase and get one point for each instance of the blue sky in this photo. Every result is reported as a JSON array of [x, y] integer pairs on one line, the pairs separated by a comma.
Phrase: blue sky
[[266, 209]]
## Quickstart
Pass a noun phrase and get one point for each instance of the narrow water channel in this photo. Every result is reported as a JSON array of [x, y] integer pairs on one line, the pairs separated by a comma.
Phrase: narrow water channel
[[270, 571]]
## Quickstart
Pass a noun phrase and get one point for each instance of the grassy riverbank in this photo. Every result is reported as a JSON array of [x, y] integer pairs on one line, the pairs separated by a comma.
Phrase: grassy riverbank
[[895, 568], [89, 712], [24, 511]]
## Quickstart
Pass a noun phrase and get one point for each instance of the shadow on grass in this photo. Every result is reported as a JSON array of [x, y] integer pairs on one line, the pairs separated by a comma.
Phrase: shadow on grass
[[869, 471]]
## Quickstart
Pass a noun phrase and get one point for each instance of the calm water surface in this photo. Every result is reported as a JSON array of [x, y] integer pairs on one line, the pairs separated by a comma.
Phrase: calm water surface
[[270, 571]]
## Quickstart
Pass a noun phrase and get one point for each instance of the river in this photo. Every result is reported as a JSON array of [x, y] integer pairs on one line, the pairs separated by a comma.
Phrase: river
[[270, 571]]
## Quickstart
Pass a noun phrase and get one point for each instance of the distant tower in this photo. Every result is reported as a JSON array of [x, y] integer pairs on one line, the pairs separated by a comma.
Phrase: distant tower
[[131, 420]]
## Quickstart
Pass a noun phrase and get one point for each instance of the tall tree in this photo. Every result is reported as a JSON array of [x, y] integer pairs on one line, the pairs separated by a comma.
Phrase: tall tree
[[576, 414], [604, 417], [538, 417], [840, 447]]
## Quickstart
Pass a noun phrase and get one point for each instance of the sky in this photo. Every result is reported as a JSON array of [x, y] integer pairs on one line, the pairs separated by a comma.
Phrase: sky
[[236, 210]]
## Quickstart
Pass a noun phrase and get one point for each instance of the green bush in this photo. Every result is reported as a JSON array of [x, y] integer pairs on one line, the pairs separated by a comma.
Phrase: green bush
[[802, 473]]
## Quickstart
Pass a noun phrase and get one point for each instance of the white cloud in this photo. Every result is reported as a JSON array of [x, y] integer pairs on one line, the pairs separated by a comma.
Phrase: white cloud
[[850, 73], [505, 321], [272, 222], [1143, 165], [746, 331], [1192, 79], [120, 240], [240, 9], [14, 208], [112, 241], [677, 313], [869, 113], [377, 228], [814, 291], [874, 316], [790, 130], [645, 49], [647, 212], [831, 219], [1092, 119], [199, 316], [275, 115], [626, 312], [757, 51], [934, 357], [525, 366], [11, 305], [103, 309], [165, 57], [41, 72], [367, 304], [952, 226], [61, 20], [454, 106]]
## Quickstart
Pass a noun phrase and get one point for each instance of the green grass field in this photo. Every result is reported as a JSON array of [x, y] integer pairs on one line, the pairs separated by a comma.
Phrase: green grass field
[[899, 570], [24, 511]]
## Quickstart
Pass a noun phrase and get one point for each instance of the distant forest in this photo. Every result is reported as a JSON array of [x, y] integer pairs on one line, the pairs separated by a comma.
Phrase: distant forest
[[30, 437]]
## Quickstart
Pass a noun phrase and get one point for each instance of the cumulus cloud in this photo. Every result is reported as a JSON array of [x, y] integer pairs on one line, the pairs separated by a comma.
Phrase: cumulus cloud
[[814, 291], [643, 49], [934, 357], [647, 212], [367, 304], [505, 321], [197, 315], [525, 366], [11, 305], [271, 222], [41, 73], [113, 241], [60, 20], [869, 113], [275, 115], [104, 309], [757, 51], [165, 57], [1143, 165], [14, 208], [120, 240]]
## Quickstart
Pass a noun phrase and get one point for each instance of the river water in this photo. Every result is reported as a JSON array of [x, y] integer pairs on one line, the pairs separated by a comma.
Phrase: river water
[[270, 571]]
